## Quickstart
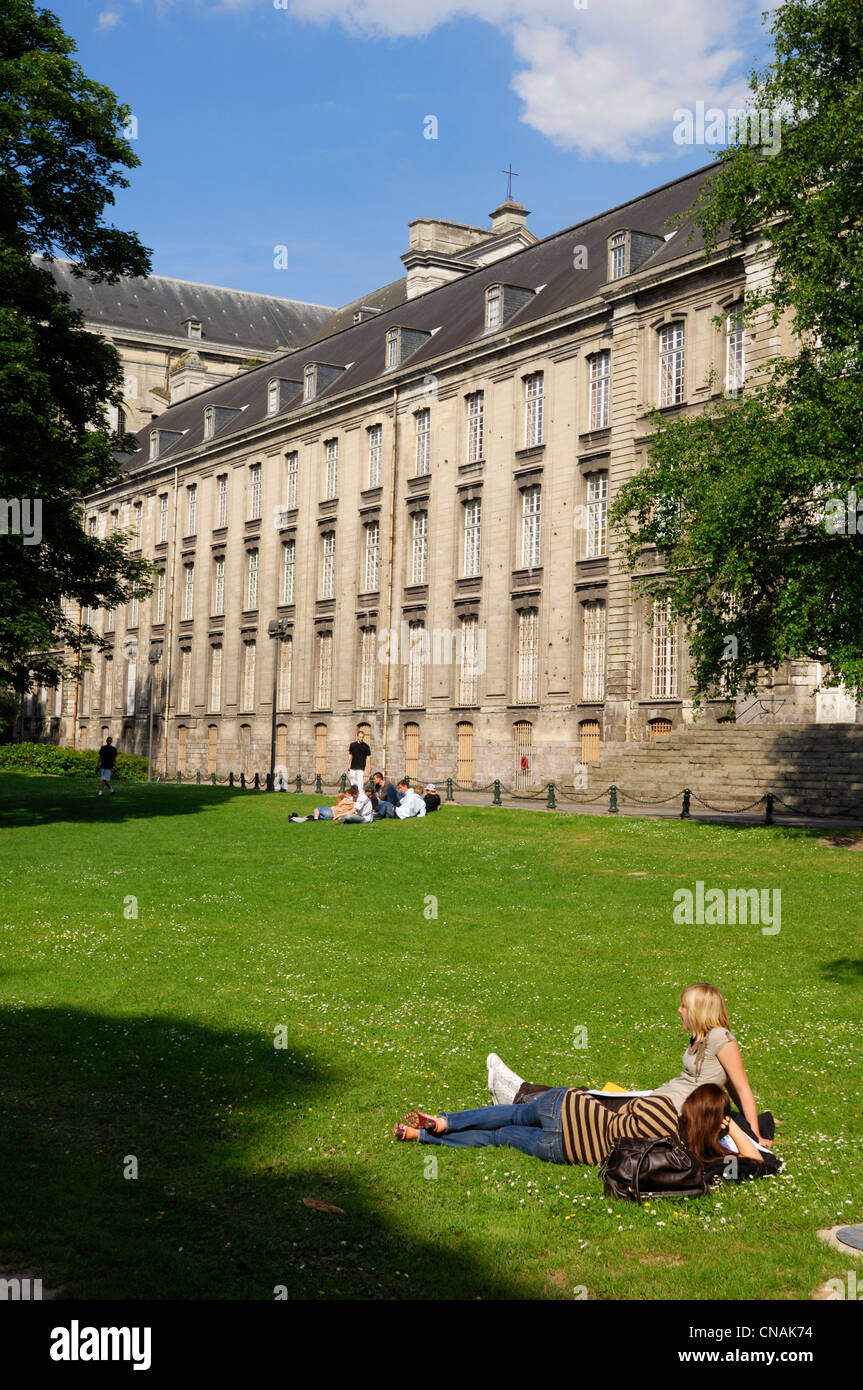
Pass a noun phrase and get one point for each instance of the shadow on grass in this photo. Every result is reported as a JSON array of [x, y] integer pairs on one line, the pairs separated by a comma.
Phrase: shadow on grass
[[844, 971], [215, 1211], [30, 801]]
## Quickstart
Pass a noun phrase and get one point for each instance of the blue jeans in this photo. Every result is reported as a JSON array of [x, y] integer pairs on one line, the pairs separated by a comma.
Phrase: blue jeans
[[534, 1128], [385, 810], [324, 812]]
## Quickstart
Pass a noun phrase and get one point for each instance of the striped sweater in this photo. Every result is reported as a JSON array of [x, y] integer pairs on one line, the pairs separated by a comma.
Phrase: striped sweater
[[590, 1129]]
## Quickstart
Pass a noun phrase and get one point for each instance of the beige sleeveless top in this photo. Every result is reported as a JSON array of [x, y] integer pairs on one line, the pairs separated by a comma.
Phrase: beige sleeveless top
[[710, 1069]]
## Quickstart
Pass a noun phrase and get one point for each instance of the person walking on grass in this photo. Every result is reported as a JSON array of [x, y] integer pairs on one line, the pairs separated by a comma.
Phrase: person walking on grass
[[107, 759], [359, 760]]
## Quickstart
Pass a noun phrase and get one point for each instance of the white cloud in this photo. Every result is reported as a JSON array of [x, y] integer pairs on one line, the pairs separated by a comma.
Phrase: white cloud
[[604, 80], [108, 19]]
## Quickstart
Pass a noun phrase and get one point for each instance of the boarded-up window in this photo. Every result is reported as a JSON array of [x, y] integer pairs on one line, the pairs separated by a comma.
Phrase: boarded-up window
[[589, 729], [321, 749], [182, 733], [245, 748], [212, 747], [412, 751], [281, 746], [464, 772], [658, 728], [523, 772]]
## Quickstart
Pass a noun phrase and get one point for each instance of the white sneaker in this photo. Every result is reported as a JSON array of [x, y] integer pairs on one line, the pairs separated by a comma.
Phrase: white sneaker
[[503, 1083]]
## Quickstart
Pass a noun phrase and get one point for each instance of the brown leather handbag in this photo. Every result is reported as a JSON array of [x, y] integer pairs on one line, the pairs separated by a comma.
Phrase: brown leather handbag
[[638, 1168]]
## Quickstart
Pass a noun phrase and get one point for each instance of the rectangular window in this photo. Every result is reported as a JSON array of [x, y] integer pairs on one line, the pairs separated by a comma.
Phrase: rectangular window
[[131, 686], [419, 548], [468, 679], [372, 557], [597, 515], [185, 679], [416, 665], [163, 516], [252, 580], [331, 453], [189, 593], [160, 597], [289, 551], [272, 397], [325, 670], [254, 491], [593, 652], [328, 564], [600, 391], [107, 686], [375, 437], [286, 656], [392, 348], [308, 383], [293, 462], [191, 509], [222, 505], [475, 426], [219, 587], [664, 651], [527, 672], [249, 654], [109, 620], [132, 620], [368, 667], [734, 352], [138, 525], [531, 527], [422, 423], [216, 679], [115, 522], [472, 537], [533, 403], [671, 363]]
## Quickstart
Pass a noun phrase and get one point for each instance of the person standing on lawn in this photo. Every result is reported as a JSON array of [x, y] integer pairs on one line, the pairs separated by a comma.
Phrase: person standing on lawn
[[107, 759], [359, 760]]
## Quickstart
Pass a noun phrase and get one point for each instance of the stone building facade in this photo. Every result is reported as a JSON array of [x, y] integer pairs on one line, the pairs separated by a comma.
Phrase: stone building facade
[[403, 523]]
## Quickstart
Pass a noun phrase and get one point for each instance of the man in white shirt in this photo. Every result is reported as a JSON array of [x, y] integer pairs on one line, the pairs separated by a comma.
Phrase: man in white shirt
[[363, 811], [410, 804]]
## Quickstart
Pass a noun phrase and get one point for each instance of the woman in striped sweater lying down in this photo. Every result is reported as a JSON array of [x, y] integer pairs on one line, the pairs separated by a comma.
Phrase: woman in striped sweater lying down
[[567, 1125]]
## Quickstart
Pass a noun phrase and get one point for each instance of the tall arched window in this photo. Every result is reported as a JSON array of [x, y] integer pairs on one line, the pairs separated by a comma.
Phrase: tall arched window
[[412, 751], [464, 771], [321, 750], [212, 747], [523, 732]]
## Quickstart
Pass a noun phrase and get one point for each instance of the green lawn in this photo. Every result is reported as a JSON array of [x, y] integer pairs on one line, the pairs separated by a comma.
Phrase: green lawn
[[153, 1038]]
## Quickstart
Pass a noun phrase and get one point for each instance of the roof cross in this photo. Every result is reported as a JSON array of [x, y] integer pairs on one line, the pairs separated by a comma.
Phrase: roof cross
[[510, 175]]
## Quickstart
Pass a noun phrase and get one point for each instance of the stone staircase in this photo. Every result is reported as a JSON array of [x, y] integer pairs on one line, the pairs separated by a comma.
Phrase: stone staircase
[[816, 768]]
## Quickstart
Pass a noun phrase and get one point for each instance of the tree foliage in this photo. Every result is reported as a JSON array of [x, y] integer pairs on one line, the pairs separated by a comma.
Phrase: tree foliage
[[753, 504], [62, 153]]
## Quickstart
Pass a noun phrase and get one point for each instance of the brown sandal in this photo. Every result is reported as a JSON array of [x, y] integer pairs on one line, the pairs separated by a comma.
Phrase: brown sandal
[[418, 1120]]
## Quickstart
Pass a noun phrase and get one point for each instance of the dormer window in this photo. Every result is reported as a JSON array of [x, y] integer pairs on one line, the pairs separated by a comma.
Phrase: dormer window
[[272, 397], [317, 376], [217, 416], [493, 306], [161, 440], [502, 301], [401, 342], [309, 383], [154, 444], [193, 328], [617, 253], [209, 422]]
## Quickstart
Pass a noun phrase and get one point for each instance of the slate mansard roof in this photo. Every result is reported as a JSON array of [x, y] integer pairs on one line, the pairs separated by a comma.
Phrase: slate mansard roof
[[159, 305], [453, 315]]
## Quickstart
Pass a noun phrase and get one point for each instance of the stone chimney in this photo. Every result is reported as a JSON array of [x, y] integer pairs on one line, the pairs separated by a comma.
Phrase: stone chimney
[[441, 251]]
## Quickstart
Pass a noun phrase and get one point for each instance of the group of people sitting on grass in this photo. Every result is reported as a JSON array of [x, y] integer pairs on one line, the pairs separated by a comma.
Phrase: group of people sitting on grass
[[383, 801], [571, 1124]]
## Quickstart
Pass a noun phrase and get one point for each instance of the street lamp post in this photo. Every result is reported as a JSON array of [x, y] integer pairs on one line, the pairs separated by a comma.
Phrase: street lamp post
[[154, 659], [276, 628]]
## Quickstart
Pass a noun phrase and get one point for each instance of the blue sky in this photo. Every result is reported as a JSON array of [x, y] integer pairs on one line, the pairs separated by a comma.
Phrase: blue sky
[[261, 126]]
